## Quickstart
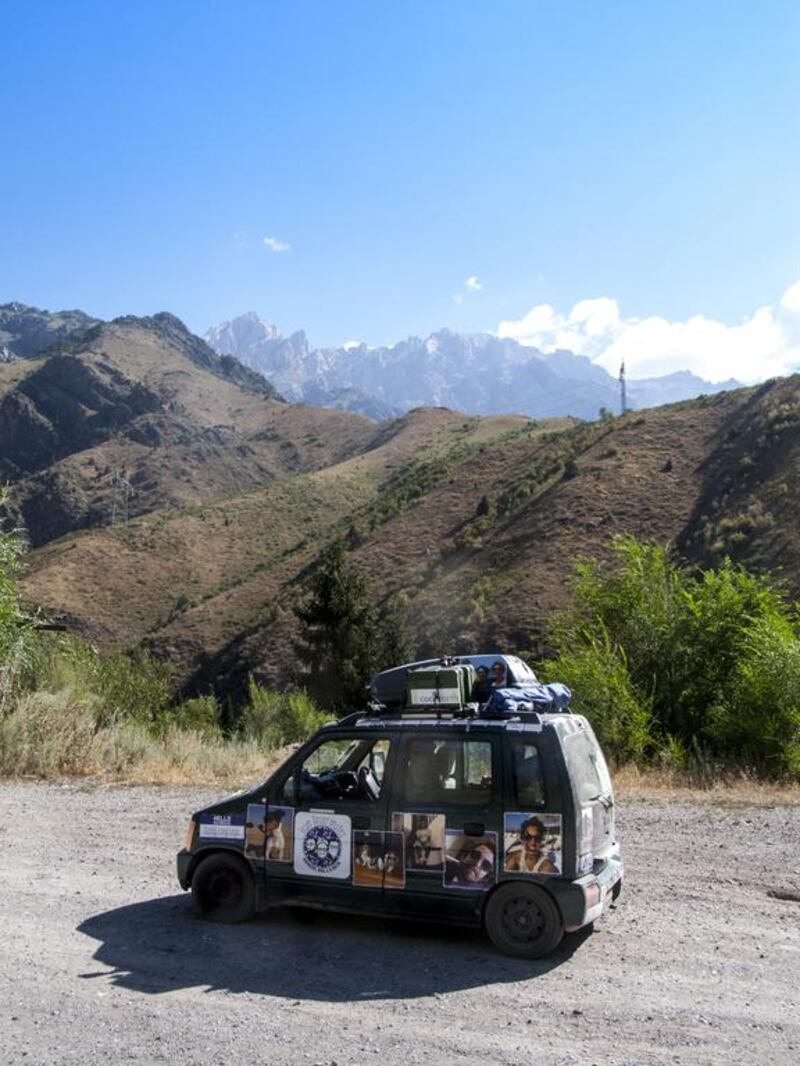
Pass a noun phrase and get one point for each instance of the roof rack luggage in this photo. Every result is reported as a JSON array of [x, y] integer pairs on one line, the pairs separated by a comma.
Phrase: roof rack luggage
[[442, 686]]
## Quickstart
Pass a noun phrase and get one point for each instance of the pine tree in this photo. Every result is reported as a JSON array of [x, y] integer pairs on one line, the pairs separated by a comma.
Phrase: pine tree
[[338, 646]]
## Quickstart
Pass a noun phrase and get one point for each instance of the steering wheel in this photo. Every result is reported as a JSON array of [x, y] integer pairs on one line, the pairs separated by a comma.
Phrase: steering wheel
[[347, 782], [368, 784]]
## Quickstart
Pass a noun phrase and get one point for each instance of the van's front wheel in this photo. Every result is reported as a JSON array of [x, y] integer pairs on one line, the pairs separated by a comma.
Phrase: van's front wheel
[[223, 889], [523, 920]]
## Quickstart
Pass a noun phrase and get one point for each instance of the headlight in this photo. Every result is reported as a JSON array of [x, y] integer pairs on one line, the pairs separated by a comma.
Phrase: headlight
[[190, 831]]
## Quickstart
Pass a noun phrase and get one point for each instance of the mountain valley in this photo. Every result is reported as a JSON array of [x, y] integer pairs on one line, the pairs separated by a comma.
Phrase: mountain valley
[[174, 500]]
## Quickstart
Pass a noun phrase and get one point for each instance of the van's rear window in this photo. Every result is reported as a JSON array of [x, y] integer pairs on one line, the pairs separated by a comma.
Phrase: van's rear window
[[586, 766]]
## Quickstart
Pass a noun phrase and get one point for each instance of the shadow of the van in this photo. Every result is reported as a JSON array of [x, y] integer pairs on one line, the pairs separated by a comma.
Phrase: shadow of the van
[[160, 945]]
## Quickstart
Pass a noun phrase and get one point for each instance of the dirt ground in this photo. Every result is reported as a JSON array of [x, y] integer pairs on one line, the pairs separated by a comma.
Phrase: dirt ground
[[103, 959]]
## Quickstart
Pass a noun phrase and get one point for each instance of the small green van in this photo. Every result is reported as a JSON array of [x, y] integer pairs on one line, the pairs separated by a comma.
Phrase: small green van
[[448, 811]]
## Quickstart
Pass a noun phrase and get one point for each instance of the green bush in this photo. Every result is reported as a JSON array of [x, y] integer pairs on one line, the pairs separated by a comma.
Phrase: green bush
[[703, 666], [135, 687], [758, 724], [201, 714], [597, 673], [14, 624], [274, 719]]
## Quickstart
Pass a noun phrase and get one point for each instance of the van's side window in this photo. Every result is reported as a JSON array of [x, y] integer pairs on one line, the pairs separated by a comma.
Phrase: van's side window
[[339, 769], [528, 778], [437, 771]]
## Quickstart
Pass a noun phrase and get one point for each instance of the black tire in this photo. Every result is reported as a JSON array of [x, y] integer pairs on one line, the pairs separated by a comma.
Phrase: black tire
[[523, 920], [223, 889], [615, 891]]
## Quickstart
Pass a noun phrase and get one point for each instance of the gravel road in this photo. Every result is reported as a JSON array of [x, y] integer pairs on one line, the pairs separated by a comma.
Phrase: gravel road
[[103, 960]]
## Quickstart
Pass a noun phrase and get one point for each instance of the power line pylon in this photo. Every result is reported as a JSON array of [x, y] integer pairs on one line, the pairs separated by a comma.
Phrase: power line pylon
[[623, 393], [119, 506]]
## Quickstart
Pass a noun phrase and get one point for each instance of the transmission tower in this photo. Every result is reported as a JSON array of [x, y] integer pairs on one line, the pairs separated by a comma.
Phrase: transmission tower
[[119, 506], [623, 395]]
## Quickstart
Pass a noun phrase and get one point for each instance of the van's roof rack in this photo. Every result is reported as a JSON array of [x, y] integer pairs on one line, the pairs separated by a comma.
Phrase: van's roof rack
[[429, 712]]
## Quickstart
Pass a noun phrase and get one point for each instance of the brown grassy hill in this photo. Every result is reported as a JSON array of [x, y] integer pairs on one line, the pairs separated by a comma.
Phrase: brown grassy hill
[[464, 580], [134, 398], [467, 526], [197, 576]]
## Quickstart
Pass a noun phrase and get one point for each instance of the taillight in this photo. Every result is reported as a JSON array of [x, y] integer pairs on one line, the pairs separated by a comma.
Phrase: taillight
[[592, 894]]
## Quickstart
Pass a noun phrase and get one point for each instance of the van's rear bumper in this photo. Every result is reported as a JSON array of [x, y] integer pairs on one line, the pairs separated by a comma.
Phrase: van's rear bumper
[[591, 895]]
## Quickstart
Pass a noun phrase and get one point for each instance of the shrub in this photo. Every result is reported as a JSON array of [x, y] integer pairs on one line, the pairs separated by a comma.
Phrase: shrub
[[14, 624], [705, 665], [48, 734], [274, 719], [597, 673], [758, 725], [55, 734], [201, 714]]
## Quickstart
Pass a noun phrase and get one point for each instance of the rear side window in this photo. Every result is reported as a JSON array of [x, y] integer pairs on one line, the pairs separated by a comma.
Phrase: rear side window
[[437, 771], [528, 777], [587, 767]]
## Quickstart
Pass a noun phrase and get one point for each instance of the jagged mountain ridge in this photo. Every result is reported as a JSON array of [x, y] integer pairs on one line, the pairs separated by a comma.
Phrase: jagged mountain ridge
[[145, 400], [26, 331], [474, 373]]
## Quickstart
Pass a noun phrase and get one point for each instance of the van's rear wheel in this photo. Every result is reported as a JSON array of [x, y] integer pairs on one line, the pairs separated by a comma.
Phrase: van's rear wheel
[[523, 920], [223, 889]]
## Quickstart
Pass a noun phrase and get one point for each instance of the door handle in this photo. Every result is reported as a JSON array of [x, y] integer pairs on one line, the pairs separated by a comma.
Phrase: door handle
[[474, 829], [360, 822]]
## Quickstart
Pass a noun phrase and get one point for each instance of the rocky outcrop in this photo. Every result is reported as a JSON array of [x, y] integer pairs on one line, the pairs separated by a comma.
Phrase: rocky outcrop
[[68, 404], [28, 331]]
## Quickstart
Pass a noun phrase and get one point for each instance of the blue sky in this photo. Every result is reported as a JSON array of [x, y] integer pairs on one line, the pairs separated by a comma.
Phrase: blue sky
[[641, 157]]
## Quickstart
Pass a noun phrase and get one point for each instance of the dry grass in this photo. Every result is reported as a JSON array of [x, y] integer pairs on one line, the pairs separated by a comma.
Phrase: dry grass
[[734, 789], [55, 735]]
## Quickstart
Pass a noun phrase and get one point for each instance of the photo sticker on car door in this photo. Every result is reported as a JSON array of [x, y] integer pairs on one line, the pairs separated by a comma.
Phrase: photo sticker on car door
[[424, 839], [532, 843], [254, 833], [470, 861], [378, 859], [280, 833], [322, 845]]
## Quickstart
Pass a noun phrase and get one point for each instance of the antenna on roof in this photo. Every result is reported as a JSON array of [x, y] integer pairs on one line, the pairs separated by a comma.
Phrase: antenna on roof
[[623, 394]]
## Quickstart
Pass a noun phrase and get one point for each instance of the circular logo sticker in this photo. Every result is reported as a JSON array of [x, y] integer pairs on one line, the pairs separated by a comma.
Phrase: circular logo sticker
[[322, 848]]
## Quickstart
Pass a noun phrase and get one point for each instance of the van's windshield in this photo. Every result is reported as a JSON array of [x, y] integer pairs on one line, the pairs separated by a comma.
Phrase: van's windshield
[[587, 767]]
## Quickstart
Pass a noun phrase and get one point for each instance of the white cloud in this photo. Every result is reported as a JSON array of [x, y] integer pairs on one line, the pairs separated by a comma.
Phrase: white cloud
[[473, 284], [276, 245], [765, 344], [350, 345], [790, 301]]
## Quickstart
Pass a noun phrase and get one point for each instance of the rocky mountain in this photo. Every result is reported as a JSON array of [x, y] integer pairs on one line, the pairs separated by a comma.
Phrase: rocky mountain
[[143, 401], [477, 374], [27, 331]]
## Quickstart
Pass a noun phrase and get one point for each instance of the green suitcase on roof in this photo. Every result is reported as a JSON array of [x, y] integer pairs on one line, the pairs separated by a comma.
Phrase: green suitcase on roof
[[444, 686]]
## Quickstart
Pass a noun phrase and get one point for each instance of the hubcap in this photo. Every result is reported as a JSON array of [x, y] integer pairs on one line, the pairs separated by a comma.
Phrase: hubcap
[[224, 889], [522, 920]]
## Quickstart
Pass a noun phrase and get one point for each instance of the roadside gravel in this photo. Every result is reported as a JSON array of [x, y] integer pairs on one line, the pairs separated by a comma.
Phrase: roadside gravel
[[102, 959]]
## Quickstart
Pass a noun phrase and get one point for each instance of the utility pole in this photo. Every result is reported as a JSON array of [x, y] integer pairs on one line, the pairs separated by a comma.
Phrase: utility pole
[[122, 491], [623, 395]]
